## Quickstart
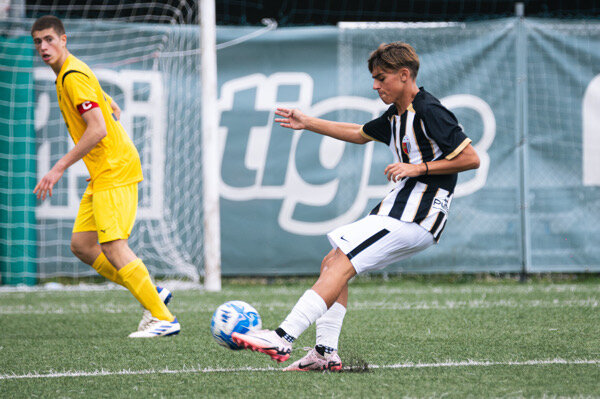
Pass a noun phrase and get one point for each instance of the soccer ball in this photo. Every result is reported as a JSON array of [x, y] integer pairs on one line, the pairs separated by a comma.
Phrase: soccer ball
[[230, 317]]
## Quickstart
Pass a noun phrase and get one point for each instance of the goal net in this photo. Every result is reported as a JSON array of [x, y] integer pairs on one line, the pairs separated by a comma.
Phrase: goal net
[[146, 56]]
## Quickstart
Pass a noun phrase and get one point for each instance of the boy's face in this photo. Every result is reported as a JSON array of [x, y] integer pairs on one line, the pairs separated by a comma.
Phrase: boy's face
[[390, 85], [49, 45]]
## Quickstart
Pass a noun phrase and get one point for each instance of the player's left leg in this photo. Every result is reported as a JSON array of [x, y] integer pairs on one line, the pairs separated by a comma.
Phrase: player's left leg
[[371, 243], [114, 213], [324, 355], [84, 245]]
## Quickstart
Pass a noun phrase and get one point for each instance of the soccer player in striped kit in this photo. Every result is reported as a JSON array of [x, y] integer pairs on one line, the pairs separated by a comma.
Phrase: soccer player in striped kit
[[429, 149], [109, 205]]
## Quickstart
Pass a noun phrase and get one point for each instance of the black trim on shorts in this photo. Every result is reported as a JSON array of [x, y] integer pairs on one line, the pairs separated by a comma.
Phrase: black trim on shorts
[[367, 243]]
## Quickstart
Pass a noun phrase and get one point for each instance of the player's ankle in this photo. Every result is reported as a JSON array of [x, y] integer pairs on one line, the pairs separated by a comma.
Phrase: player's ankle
[[281, 332], [323, 349]]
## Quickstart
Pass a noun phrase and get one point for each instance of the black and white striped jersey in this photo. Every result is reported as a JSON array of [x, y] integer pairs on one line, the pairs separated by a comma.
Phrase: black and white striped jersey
[[426, 131]]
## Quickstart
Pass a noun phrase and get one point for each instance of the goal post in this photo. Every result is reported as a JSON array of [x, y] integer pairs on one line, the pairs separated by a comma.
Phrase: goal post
[[210, 148]]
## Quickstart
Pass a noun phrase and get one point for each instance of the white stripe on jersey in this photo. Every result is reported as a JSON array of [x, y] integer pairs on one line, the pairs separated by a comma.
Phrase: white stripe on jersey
[[413, 202], [388, 202]]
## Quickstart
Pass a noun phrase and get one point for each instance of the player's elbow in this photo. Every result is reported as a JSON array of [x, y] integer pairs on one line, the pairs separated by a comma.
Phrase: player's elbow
[[474, 161], [469, 158], [99, 134]]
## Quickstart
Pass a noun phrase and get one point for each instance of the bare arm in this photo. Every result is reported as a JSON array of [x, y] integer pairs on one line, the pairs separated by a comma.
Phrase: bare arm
[[94, 133], [113, 105], [465, 160], [295, 119], [116, 109]]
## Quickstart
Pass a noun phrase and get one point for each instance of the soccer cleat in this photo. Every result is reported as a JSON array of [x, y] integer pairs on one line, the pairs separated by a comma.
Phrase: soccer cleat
[[165, 295], [313, 361], [265, 341], [158, 328]]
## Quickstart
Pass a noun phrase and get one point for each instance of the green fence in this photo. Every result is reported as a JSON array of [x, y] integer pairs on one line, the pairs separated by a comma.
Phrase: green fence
[[526, 91]]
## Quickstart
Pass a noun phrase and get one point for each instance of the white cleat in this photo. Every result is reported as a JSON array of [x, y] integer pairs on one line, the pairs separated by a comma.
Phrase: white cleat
[[165, 296], [265, 341], [313, 361], [158, 328]]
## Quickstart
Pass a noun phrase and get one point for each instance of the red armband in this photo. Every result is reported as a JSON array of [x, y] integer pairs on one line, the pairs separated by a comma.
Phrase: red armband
[[86, 106]]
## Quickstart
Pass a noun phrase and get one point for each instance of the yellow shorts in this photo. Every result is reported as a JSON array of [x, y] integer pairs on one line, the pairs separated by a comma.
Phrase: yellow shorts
[[111, 213]]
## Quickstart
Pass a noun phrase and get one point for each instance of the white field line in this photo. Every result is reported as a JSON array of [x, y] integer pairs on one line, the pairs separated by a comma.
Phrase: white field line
[[389, 305], [207, 370], [54, 288]]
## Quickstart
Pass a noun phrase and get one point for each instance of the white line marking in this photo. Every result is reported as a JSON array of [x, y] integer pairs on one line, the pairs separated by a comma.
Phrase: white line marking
[[385, 289], [397, 305], [467, 363]]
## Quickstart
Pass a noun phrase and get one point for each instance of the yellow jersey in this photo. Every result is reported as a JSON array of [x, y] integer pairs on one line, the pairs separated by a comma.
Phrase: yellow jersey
[[114, 161]]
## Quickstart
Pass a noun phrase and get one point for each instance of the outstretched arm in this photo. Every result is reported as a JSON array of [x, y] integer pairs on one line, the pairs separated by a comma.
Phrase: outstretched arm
[[295, 119], [94, 133], [465, 160]]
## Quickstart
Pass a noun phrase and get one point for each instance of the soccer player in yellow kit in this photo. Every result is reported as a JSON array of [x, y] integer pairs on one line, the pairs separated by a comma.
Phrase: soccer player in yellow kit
[[109, 205]]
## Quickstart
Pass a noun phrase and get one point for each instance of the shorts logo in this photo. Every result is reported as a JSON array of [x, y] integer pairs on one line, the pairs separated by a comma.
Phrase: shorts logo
[[406, 145]]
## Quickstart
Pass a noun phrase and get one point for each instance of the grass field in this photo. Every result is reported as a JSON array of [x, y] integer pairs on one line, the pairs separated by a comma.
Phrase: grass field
[[418, 338]]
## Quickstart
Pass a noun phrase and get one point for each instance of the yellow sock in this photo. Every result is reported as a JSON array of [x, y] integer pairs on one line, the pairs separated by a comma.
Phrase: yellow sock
[[106, 269], [137, 280]]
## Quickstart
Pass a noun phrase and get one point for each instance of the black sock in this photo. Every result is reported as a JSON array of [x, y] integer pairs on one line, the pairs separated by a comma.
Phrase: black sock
[[322, 349], [279, 331]]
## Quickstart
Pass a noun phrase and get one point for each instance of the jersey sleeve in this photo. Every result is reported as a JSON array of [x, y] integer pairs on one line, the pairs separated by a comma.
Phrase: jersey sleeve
[[78, 87], [442, 126], [379, 129]]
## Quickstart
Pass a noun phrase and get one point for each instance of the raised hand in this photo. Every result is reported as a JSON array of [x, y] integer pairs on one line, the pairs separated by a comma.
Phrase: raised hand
[[291, 118]]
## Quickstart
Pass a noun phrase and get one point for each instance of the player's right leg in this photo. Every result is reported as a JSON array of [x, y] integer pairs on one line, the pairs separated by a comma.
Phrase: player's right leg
[[84, 241], [337, 270]]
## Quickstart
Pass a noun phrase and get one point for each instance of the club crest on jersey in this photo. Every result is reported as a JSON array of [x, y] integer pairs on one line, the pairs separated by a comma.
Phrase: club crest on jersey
[[406, 145]]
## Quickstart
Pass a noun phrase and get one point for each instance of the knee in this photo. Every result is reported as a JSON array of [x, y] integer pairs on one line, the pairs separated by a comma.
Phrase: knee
[[80, 249], [115, 248], [108, 248], [328, 260], [338, 264]]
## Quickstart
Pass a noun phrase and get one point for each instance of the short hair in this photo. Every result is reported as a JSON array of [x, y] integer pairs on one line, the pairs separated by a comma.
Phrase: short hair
[[47, 22], [393, 57]]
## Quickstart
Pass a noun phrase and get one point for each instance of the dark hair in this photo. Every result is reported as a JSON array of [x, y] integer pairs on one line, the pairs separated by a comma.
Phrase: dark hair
[[393, 56], [47, 22]]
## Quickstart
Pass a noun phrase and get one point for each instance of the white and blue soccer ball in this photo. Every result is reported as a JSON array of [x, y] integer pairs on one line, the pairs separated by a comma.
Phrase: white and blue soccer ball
[[230, 317]]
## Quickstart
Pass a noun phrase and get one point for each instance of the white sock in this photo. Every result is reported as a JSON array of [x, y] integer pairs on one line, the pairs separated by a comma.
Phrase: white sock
[[307, 310], [329, 326]]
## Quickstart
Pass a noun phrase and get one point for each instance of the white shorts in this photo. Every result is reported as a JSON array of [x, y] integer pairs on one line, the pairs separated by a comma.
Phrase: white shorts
[[375, 241]]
